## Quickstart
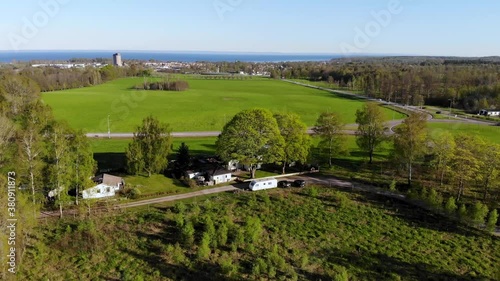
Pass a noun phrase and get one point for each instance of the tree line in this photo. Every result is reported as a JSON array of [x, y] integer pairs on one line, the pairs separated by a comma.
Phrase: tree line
[[55, 79], [465, 85]]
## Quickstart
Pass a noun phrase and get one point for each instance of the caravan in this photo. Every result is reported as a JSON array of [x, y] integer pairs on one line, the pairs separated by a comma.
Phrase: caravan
[[263, 184]]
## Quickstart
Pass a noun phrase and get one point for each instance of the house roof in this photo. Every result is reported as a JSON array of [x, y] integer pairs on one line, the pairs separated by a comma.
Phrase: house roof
[[221, 172], [108, 179]]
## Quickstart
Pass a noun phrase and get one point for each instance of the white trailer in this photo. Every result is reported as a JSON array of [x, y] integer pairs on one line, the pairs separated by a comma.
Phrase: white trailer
[[263, 184]]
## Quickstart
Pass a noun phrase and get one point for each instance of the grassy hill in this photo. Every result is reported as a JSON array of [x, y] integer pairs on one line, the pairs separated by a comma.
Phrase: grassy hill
[[206, 106], [307, 234]]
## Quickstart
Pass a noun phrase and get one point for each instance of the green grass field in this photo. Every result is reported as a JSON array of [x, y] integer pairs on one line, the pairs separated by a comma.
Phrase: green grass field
[[196, 145], [295, 234], [488, 133], [207, 105]]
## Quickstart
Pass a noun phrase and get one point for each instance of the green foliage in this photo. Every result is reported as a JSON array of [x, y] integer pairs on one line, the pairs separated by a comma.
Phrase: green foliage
[[149, 148], [312, 191], [329, 127], [434, 199], [392, 185], [409, 141], [341, 275], [135, 193], [492, 220], [451, 206], [371, 128], [251, 137], [253, 229], [183, 157], [222, 234], [297, 142], [477, 213], [462, 212], [180, 207], [204, 247], [187, 234]]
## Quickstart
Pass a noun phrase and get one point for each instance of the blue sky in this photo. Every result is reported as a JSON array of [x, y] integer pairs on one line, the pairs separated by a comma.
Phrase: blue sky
[[421, 27]]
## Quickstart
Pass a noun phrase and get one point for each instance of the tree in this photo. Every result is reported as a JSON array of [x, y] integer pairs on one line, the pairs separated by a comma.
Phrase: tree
[[251, 137], [183, 157], [59, 160], [329, 128], [371, 129], [19, 92], [491, 221], [296, 140], [409, 141], [451, 206], [443, 149], [489, 167], [83, 164], [149, 148], [465, 163], [34, 121], [478, 213]]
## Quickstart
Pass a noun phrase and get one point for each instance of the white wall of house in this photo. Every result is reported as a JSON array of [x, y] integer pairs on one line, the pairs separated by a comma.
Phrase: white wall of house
[[222, 178], [99, 191]]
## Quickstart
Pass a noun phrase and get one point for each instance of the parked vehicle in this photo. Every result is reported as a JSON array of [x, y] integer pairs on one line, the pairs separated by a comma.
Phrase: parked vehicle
[[263, 184], [284, 184], [299, 183]]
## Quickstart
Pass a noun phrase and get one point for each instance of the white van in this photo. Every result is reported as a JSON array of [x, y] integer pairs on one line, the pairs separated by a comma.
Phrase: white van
[[263, 184]]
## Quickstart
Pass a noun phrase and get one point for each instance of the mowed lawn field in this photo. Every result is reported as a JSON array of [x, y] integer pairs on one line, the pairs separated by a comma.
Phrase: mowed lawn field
[[206, 106], [488, 133]]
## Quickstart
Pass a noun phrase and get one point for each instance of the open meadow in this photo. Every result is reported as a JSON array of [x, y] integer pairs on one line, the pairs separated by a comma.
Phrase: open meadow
[[206, 106], [314, 233]]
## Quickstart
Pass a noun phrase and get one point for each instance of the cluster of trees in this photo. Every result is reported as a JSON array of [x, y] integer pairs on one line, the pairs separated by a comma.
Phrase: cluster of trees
[[54, 79], [179, 85], [38, 154], [149, 149], [257, 136], [46, 154], [470, 86]]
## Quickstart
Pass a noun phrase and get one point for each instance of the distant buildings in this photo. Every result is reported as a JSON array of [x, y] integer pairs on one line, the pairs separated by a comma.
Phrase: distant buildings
[[487, 112], [117, 60]]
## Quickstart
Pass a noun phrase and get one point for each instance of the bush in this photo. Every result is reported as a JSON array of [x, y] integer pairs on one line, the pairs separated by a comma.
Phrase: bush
[[492, 220], [134, 193], [313, 192], [451, 206], [478, 213], [392, 186], [462, 212]]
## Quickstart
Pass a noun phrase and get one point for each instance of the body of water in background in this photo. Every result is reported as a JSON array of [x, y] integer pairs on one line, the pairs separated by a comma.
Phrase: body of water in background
[[27, 56]]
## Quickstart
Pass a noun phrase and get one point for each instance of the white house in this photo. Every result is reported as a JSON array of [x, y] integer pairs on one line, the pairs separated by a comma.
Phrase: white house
[[99, 191], [234, 165], [221, 176], [487, 112], [107, 186]]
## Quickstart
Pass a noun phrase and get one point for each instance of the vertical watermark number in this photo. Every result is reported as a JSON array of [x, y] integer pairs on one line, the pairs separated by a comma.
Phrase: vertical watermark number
[[11, 221]]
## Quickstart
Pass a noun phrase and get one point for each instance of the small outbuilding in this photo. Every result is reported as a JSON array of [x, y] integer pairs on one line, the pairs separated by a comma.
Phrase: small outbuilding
[[107, 186]]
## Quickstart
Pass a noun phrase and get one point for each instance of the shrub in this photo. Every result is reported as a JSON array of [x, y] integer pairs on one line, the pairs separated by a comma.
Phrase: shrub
[[313, 192], [135, 193], [392, 186], [180, 208], [478, 213], [462, 212], [451, 206], [492, 220], [204, 248], [187, 234]]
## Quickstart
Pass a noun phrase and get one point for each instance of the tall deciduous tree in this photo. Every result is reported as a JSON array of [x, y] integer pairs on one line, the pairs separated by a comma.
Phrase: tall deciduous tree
[[489, 167], [443, 149], [150, 147], [59, 161], [83, 165], [371, 128], [34, 121], [409, 141], [329, 128], [251, 137], [465, 163], [297, 142]]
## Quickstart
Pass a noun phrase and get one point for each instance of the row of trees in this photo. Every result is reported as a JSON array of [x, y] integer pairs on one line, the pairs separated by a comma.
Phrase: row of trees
[[54, 79], [178, 85], [463, 85], [39, 155]]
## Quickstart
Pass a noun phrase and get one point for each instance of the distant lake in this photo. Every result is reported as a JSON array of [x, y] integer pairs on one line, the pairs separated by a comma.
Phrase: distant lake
[[26, 56]]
